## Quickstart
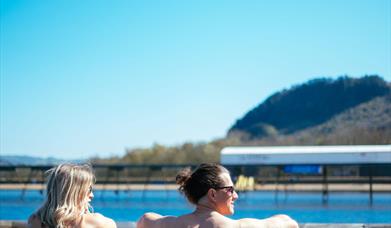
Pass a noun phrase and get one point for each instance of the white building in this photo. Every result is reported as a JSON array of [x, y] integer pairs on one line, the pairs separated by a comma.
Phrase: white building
[[306, 155]]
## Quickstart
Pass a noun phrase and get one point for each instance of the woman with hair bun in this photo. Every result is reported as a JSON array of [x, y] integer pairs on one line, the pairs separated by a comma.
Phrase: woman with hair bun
[[67, 200], [211, 190]]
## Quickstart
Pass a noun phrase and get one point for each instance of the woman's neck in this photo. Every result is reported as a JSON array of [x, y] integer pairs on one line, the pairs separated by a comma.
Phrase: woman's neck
[[204, 208]]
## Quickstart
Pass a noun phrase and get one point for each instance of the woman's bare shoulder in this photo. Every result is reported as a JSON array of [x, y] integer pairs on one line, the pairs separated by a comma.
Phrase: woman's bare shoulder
[[98, 220], [215, 220], [152, 220], [283, 221], [34, 221], [219, 220]]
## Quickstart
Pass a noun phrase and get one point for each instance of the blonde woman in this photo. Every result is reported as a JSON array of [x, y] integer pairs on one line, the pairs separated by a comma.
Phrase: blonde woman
[[67, 203]]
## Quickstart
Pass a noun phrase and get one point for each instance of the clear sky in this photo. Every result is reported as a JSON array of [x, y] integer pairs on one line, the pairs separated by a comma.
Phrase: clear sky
[[94, 77]]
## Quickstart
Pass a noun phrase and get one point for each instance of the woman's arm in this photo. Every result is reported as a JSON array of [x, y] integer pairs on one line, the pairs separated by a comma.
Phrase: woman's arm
[[151, 220], [148, 220], [98, 220]]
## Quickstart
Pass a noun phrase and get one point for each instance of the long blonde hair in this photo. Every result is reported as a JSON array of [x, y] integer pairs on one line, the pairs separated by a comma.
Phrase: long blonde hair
[[67, 193]]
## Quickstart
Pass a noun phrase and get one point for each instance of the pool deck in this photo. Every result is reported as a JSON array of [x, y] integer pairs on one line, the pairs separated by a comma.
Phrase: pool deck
[[22, 224], [258, 187]]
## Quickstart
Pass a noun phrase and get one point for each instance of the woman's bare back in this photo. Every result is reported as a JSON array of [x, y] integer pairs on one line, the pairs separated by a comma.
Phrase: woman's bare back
[[90, 220], [193, 220], [212, 220]]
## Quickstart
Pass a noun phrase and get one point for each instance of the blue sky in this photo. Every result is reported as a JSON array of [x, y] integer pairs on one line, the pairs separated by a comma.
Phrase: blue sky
[[92, 78]]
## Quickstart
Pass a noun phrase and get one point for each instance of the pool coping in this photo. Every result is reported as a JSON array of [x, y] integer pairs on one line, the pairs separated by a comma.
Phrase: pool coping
[[22, 224]]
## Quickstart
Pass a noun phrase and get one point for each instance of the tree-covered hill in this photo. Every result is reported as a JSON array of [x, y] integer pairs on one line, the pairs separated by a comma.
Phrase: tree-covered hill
[[308, 105], [345, 111], [365, 124]]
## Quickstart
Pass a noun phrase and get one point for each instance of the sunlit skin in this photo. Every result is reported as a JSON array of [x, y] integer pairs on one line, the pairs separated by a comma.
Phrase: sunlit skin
[[211, 211], [90, 195], [82, 216], [88, 198], [225, 200]]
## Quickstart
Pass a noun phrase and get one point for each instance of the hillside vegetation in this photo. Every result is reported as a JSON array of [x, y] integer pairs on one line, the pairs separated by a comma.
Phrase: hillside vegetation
[[345, 111], [309, 104]]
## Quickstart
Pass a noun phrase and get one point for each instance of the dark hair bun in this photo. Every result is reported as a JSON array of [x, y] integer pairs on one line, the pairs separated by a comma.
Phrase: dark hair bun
[[182, 177], [194, 185]]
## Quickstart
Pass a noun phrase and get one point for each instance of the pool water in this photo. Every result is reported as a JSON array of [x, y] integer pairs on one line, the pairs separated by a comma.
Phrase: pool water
[[304, 207]]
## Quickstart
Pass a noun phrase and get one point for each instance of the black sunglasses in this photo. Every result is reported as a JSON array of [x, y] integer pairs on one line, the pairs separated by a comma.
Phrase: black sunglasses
[[90, 189], [230, 189]]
